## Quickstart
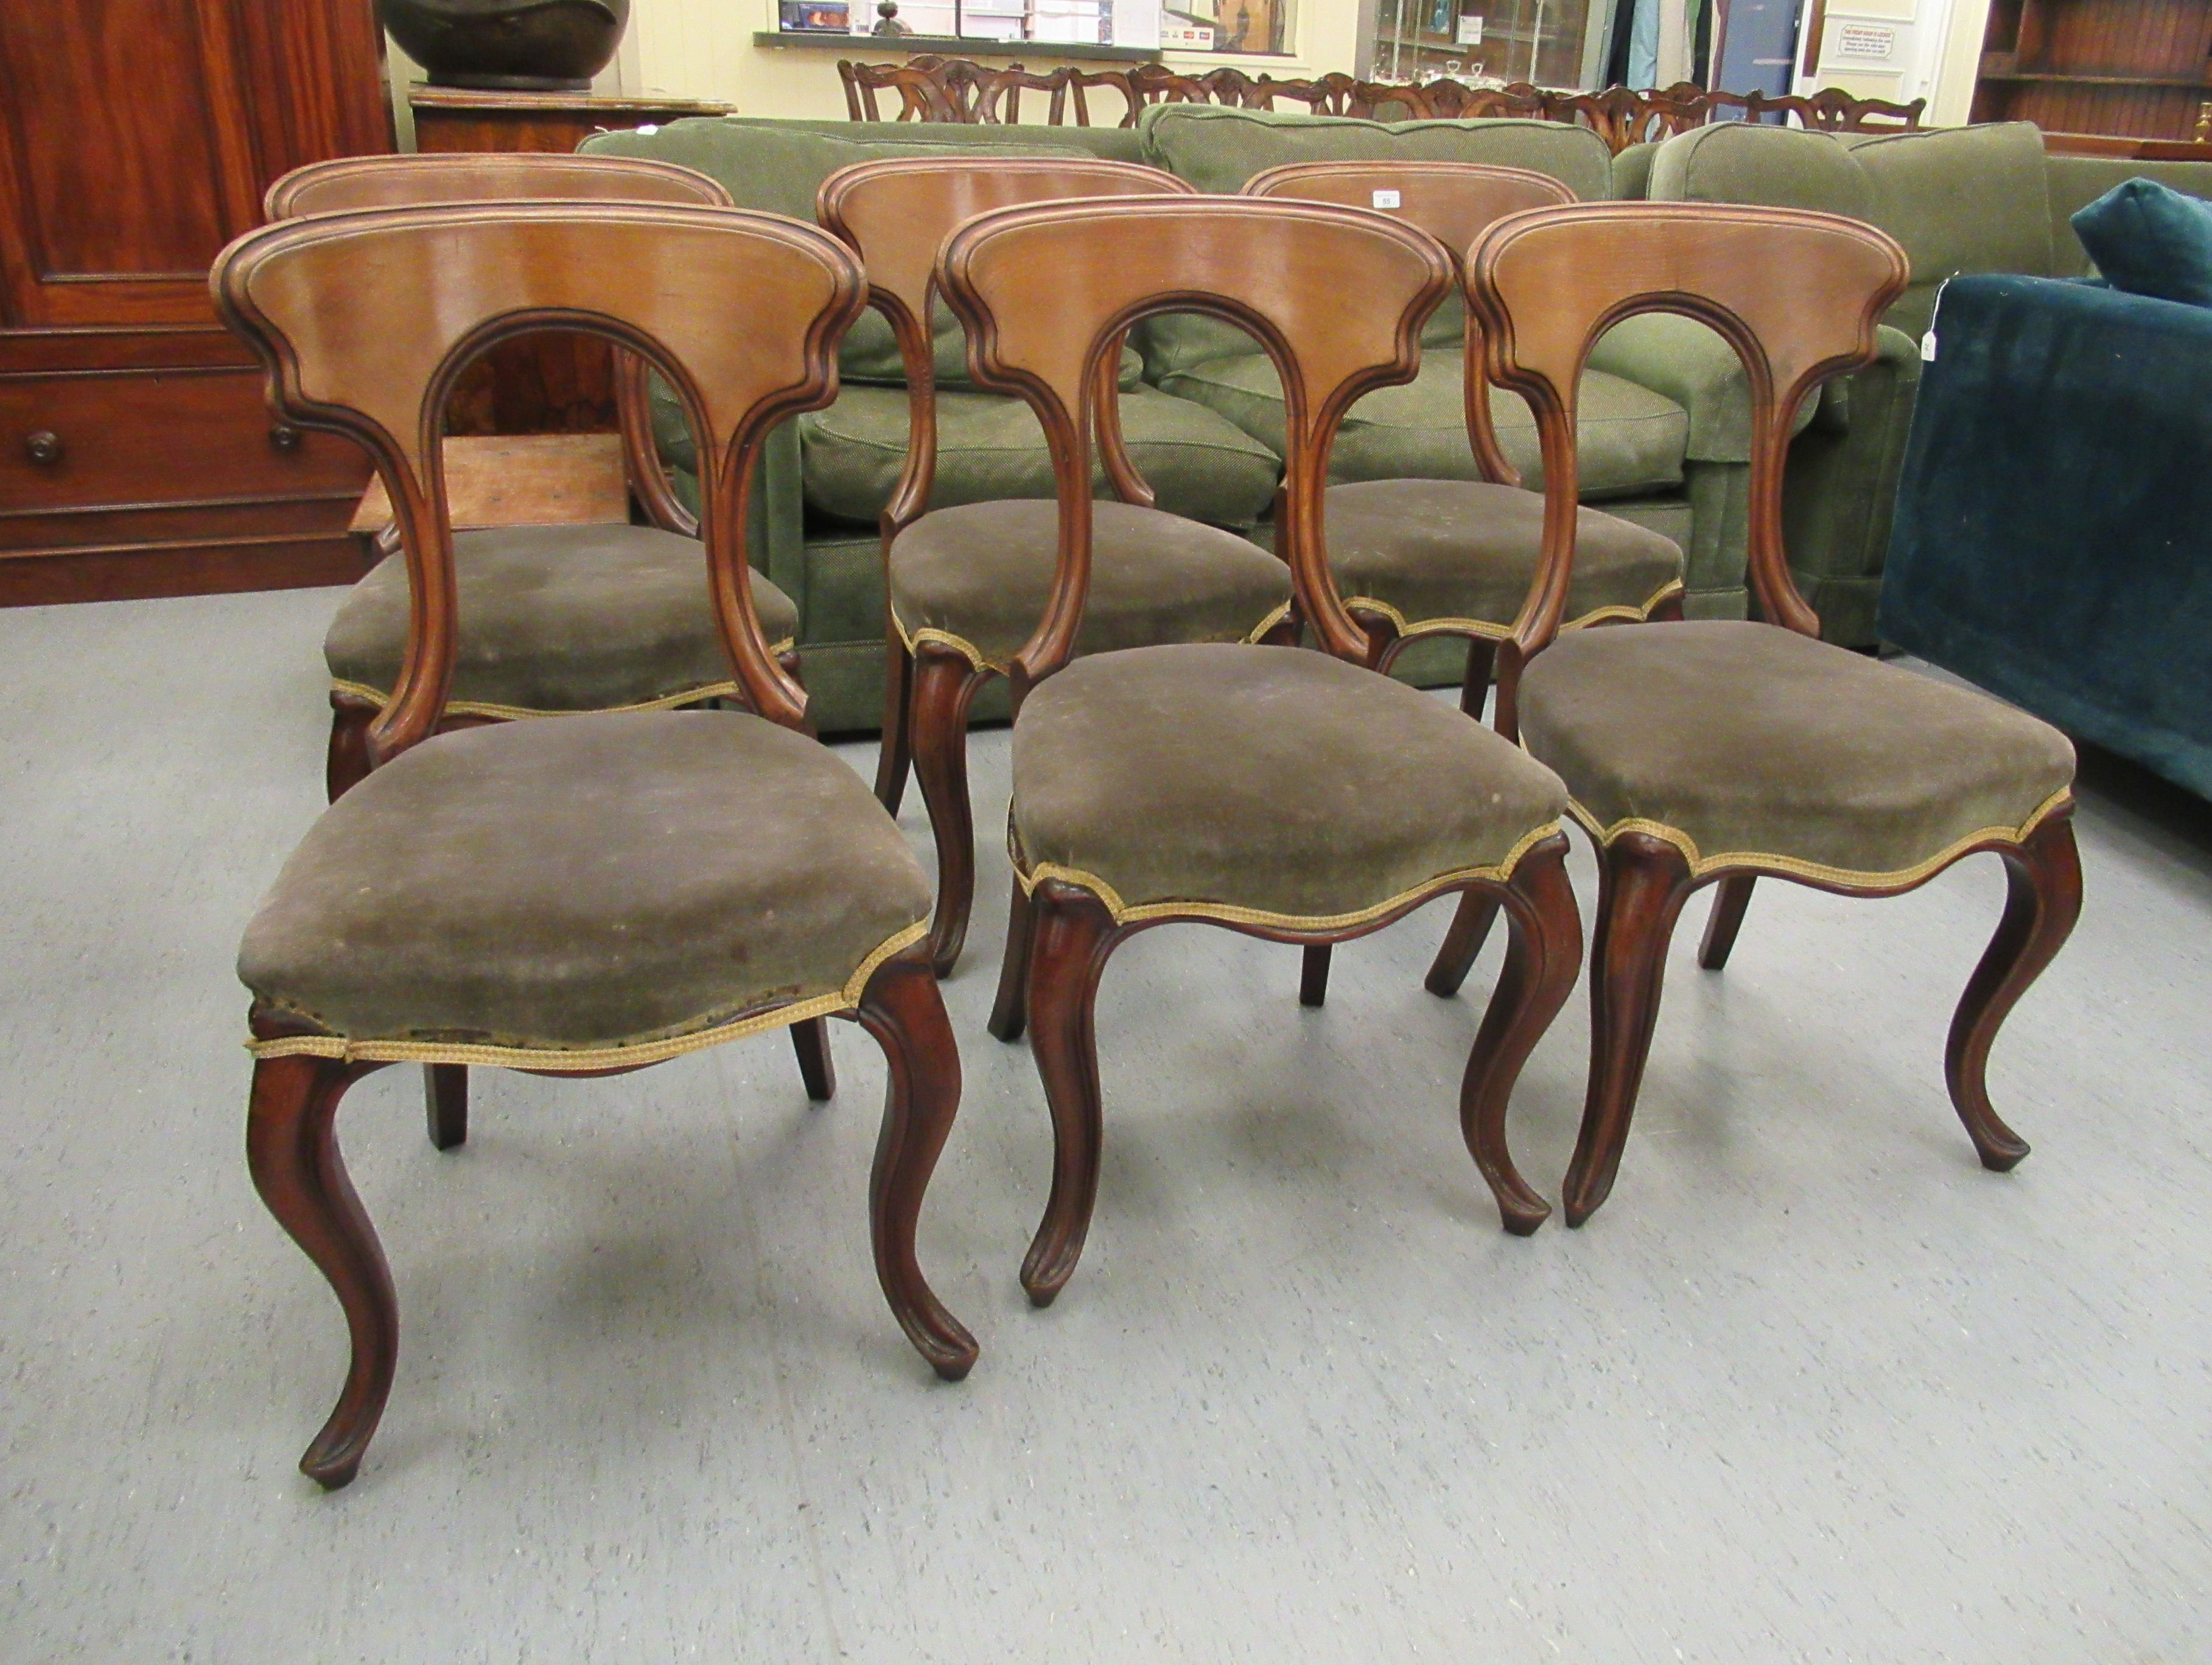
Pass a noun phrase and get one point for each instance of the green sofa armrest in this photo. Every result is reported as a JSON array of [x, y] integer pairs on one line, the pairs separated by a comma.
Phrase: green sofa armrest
[[1842, 486], [1684, 361]]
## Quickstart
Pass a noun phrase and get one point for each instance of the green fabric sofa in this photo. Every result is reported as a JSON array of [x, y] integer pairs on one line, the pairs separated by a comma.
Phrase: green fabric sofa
[[1664, 432], [1962, 201]]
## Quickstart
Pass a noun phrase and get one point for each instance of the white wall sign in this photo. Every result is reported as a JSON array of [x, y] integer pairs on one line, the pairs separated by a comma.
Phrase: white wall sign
[[1874, 42]]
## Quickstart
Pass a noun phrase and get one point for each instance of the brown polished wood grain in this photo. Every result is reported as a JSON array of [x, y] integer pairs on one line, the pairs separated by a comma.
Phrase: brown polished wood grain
[[895, 213], [116, 191], [1798, 296], [364, 321], [1336, 297], [558, 383]]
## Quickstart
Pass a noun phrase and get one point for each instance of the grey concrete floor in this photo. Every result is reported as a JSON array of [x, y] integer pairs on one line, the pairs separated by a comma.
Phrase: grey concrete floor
[[1812, 1387]]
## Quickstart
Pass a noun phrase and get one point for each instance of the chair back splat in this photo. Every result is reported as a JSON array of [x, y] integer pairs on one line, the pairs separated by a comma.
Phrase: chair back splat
[[365, 319], [896, 213], [1454, 203], [1796, 294], [427, 180], [1048, 292]]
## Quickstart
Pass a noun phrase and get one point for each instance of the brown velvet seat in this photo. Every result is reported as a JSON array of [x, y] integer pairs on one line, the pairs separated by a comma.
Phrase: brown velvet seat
[[586, 893], [1418, 558], [558, 619], [1158, 782], [968, 583], [553, 618], [1458, 556], [1297, 795], [1742, 741], [969, 578], [1716, 752], [630, 884]]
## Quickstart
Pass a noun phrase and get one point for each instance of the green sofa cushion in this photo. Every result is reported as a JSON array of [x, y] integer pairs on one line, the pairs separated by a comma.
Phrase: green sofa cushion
[[1119, 144], [1218, 148], [1738, 161], [1632, 438], [1913, 185], [777, 170], [2148, 239], [1200, 465], [1922, 182]]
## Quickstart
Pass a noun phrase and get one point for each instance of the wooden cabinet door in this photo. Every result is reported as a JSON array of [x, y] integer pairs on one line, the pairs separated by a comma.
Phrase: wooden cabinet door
[[137, 135]]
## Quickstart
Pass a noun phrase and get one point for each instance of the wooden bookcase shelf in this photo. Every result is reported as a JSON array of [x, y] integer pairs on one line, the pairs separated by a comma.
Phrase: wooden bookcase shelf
[[2135, 69]]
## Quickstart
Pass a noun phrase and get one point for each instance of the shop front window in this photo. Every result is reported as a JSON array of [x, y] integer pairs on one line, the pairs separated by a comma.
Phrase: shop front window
[[1487, 43]]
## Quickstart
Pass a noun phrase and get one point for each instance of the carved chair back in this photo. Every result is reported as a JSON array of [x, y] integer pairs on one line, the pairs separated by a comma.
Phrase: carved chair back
[[1622, 116], [1796, 294], [1832, 110], [1336, 296], [1454, 203], [1324, 95], [925, 93], [897, 213], [999, 95], [365, 320], [424, 181]]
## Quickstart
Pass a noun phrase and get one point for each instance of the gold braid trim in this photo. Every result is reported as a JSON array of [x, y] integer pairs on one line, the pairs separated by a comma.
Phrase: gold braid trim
[[1228, 914], [1492, 631], [1819, 872], [930, 636], [509, 713], [555, 1060]]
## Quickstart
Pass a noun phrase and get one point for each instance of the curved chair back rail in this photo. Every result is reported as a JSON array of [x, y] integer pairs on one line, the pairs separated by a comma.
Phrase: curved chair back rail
[[1454, 203], [1796, 294], [897, 213], [425, 181], [1048, 292], [365, 319]]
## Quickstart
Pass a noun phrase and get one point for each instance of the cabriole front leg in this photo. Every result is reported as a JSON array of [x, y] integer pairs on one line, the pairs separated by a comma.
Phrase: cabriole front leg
[[1072, 936], [901, 1008], [1541, 960], [292, 1151], [1642, 882], [2043, 898]]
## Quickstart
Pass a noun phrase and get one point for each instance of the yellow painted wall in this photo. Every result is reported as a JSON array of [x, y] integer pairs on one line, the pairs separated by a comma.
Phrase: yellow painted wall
[[704, 49]]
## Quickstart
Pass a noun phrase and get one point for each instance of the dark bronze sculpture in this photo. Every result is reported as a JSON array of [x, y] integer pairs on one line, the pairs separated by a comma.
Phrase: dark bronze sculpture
[[547, 45]]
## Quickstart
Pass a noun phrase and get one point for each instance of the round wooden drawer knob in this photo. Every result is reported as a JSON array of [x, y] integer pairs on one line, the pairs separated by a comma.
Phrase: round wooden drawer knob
[[43, 448], [284, 436]]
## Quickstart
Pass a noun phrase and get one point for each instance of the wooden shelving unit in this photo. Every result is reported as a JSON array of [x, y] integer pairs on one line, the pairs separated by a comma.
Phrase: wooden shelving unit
[[2136, 69]]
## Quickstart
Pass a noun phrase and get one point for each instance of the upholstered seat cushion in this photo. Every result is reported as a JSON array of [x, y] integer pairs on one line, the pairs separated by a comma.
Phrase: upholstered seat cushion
[[1465, 550], [990, 447], [1274, 782], [1631, 439], [1746, 739], [981, 575], [584, 882], [559, 618]]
